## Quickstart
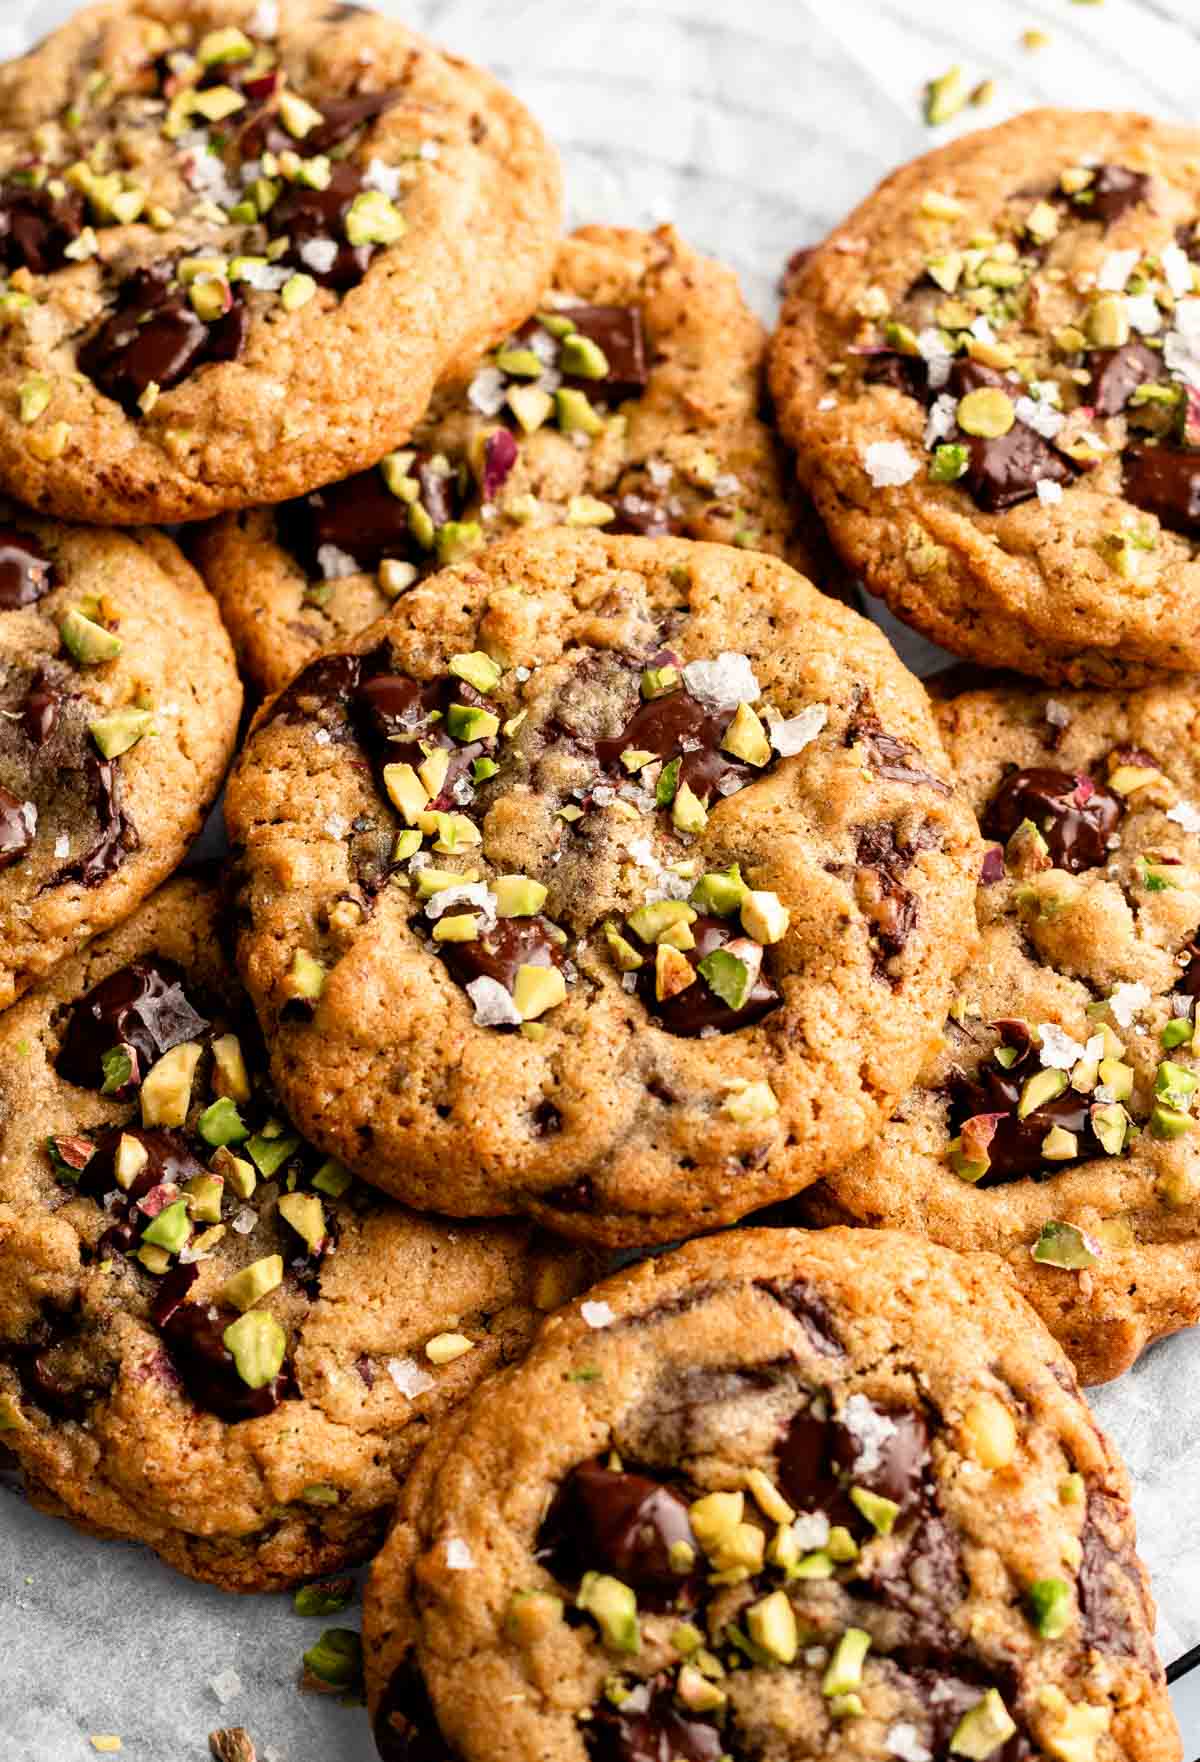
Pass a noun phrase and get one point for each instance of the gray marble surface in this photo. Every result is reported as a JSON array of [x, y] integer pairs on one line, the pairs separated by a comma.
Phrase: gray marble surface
[[753, 127]]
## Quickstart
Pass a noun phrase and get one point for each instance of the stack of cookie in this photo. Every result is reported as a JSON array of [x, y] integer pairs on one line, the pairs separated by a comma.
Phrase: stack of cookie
[[595, 880]]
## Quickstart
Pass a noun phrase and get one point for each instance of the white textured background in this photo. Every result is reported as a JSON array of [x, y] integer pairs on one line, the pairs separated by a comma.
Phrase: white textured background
[[753, 126]]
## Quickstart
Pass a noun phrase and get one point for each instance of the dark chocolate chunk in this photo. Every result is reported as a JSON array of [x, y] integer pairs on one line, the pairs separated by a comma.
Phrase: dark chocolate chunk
[[36, 227], [947, 1697], [643, 516], [1006, 469], [118, 835], [649, 1726], [1015, 1147], [891, 908], [194, 1336], [171, 1292], [904, 373], [895, 1464], [155, 338], [1165, 481], [1075, 815], [18, 825], [617, 330], [143, 1006], [1117, 373], [617, 1522], [810, 1310], [889, 755], [1110, 1590], [1112, 192], [328, 682], [39, 715], [26, 575], [306, 216], [681, 726], [698, 1007], [342, 116], [923, 1580], [501, 951], [406, 1727]]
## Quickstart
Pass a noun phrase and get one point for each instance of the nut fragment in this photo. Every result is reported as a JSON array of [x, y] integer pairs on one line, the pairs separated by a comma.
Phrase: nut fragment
[[232, 1745], [989, 1432]]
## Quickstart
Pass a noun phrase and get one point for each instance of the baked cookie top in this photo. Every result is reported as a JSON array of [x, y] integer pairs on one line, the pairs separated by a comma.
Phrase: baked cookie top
[[989, 371], [553, 899], [1054, 1123], [212, 1339], [631, 401], [242, 242], [119, 705], [776, 1494]]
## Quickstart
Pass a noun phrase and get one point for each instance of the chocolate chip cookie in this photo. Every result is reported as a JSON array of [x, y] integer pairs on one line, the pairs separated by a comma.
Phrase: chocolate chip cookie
[[773, 1495], [630, 402], [240, 243], [119, 706], [990, 374], [1054, 1122], [614, 880], [212, 1339]]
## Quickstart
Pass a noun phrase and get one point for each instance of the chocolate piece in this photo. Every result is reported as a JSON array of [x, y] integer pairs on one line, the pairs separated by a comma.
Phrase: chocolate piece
[[39, 716], [923, 1581], [306, 217], [885, 1450], [680, 726], [18, 825], [1015, 1148], [1117, 373], [810, 1310], [1165, 481], [362, 517], [1112, 192], [118, 834], [642, 516], [889, 755], [1108, 1582], [406, 1727], [1076, 816], [36, 227], [807, 1474], [194, 1336], [26, 576], [947, 1697], [621, 1523], [502, 950], [1006, 469], [329, 682], [689, 1012], [342, 116], [891, 908], [143, 1006], [169, 1163], [155, 338], [172, 1292], [904, 373], [617, 330], [648, 1726]]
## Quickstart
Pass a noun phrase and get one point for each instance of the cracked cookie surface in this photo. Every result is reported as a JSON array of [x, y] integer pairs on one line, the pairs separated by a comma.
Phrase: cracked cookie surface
[[212, 1339], [119, 706], [550, 900], [989, 372], [662, 434], [241, 243], [775, 1494], [1054, 1123]]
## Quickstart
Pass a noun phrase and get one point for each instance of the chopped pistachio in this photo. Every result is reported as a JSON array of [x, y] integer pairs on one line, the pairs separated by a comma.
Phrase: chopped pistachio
[[844, 1672], [746, 738], [517, 896], [120, 731], [167, 1088], [307, 975], [220, 1123], [297, 292], [985, 1728], [1063, 1245], [87, 642], [170, 1229], [749, 1103], [536, 990], [306, 1215], [35, 395], [987, 412], [242, 1290], [613, 1606], [1049, 1602], [764, 917], [582, 358], [771, 1624], [445, 1348], [879, 1512], [575, 412]]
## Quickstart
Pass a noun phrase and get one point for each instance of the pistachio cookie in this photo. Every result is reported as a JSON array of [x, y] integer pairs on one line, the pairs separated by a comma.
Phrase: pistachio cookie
[[990, 374], [777, 1494], [1054, 1123], [552, 901], [119, 706], [212, 1340], [242, 242], [630, 401]]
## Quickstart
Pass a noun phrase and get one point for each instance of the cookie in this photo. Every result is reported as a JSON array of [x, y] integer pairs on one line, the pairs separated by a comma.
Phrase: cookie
[[777, 1494], [212, 1339], [552, 901], [242, 243], [1053, 1124], [119, 706], [632, 402], [988, 372]]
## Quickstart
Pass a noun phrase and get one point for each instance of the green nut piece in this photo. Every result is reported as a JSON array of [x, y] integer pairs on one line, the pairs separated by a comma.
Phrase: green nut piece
[[170, 1229], [582, 358], [457, 927], [330, 1598], [987, 412], [269, 1154], [1108, 322], [945, 96], [520, 363], [694, 1691], [841, 1545], [668, 782], [209, 299], [949, 462], [730, 979], [86, 642], [1169, 1122], [1175, 1084], [306, 1215], [879, 1512], [531, 406], [771, 1624], [817, 1565], [477, 669], [117, 732], [117, 1067], [1178, 1032], [1063, 1245], [1059, 1145], [221, 1123], [721, 893], [333, 1179], [688, 812], [1117, 1076], [1110, 1125], [465, 722], [765, 917], [1042, 1087], [531, 1615], [167, 1087], [243, 1290], [407, 845], [307, 975], [156, 1260], [336, 1658], [844, 1672], [297, 292], [517, 896], [658, 681], [650, 923], [613, 1607], [746, 738], [624, 953], [204, 1195], [228, 45], [239, 1176], [458, 538], [1049, 1602], [986, 1728], [483, 769], [536, 990], [575, 413]]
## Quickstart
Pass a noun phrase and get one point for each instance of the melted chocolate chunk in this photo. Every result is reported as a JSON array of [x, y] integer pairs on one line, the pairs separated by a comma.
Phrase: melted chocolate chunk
[[617, 330], [330, 680], [1006, 469], [36, 227], [1112, 192], [194, 1336], [1165, 481], [666, 726], [502, 950], [342, 116], [891, 908], [648, 1726], [155, 338], [1105, 1582], [406, 1727], [18, 825], [947, 1698], [51, 1387], [309, 217], [39, 715], [143, 1006], [923, 1580], [890, 756], [690, 1011], [169, 1163], [1015, 1150], [643, 516], [820, 1459], [904, 373], [896, 1464], [621, 1523], [171, 1292], [362, 517], [1117, 373], [1075, 816], [118, 834], [26, 576], [810, 1310]]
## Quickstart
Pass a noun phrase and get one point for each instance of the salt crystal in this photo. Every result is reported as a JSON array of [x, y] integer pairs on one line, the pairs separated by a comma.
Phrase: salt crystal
[[1116, 270], [811, 1530], [903, 1741], [245, 1221], [476, 894], [494, 1007], [336, 565], [1126, 1001], [430, 150], [1058, 1051], [1177, 269], [226, 1687], [62, 845], [598, 1315], [793, 735], [889, 464], [264, 22], [408, 1377], [870, 1429], [1042, 417], [726, 484], [387, 179], [1049, 493], [1143, 313], [827, 404], [1185, 814], [266, 277], [459, 1557], [726, 682], [941, 419], [931, 345], [486, 392], [319, 255]]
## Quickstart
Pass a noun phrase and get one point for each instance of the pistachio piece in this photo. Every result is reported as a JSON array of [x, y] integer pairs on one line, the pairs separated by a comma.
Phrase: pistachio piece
[[476, 669], [242, 1290], [117, 732], [405, 791], [673, 972], [688, 812], [649, 922], [728, 977], [167, 1087], [204, 1195], [229, 1068], [130, 1159], [694, 1691], [574, 411], [457, 927], [466, 723], [374, 220], [844, 1672], [987, 412], [518, 897], [625, 955], [258, 1344], [984, 1729], [613, 1607], [1042, 1087], [531, 1615], [87, 642], [332, 1178], [771, 1624], [306, 1215], [945, 96], [749, 1104], [306, 975], [721, 893], [170, 1229], [1049, 1602], [445, 1348], [1108, 322], [715, 1517], [582, 358], [297, 115], [658, 681], [221, 1123], [1065, 1246], [764, 917], [989, 1432], [746, 738], [240, 1176], [531, 406], [879, 1512], [536, 990]]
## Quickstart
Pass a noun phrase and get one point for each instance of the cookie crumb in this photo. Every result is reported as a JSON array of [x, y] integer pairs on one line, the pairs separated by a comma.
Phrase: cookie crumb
[[232, 1745]]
